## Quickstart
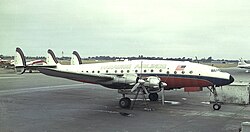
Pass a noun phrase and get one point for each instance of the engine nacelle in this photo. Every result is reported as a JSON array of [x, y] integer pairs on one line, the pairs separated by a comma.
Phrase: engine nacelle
[[126, 79], [152, 82]]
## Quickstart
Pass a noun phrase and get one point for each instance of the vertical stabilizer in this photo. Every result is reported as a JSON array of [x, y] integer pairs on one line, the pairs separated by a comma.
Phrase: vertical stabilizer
[[51, 59], [75, 59], [19, 61], [241, 62]]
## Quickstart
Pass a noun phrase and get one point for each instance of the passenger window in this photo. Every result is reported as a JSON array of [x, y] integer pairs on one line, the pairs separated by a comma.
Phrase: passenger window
[[152, 70], [93, 71], [136, 71], [175, 72], [107, 71], [167, 72], [160, 70], [183, 72], [87, 71], [145, 70], [191, 72], [127, 71], [121, 71], [98, 71], [115, 71]]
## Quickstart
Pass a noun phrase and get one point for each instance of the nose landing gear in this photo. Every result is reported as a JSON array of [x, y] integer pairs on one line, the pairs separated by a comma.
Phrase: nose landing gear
[[216, 105]]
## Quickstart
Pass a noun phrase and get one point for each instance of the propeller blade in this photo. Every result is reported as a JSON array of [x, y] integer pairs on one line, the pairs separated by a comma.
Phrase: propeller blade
[[135, 87], [162, 84], [144, 89]]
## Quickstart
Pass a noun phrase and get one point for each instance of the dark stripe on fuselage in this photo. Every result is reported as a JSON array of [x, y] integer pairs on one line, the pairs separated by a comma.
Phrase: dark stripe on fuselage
[[177, 81]]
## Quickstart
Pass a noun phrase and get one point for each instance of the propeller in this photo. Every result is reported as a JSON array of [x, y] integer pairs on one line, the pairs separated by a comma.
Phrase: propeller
[[139, 84]]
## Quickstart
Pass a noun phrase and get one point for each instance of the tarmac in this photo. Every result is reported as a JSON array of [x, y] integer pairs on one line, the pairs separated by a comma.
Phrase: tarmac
[[36, 102]]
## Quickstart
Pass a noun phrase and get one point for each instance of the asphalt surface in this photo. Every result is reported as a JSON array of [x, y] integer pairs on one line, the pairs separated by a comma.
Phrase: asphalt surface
[[35, 102]]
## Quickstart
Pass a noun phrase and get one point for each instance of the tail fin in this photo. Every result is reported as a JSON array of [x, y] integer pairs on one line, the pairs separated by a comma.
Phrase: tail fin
[[51, 59], [20, 61], [242, 62], [75, 59]]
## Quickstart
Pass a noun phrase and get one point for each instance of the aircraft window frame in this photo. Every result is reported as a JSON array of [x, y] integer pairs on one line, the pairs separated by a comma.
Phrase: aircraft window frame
[[191, 72], [183, 72], [175, 72]]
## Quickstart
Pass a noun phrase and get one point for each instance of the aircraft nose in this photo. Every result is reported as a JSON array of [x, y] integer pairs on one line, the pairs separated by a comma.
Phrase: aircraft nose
[[231, 79]]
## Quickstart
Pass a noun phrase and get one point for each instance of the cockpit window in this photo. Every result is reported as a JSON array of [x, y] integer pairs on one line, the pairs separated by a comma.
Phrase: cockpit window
[[215, 70]]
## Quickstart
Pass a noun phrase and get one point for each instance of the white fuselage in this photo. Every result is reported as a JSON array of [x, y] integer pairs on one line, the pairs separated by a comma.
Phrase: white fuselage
[[174, 73]]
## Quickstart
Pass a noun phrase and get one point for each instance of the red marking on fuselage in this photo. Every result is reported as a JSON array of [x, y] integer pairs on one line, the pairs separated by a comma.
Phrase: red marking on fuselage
[[178, 82], [175, 82]]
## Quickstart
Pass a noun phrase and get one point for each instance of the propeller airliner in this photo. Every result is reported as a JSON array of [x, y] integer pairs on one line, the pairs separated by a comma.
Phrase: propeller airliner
[[145, 76], [243, 64]]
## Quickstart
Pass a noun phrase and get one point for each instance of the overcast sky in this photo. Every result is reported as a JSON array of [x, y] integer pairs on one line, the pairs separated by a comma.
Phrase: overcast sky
[[166, 28]]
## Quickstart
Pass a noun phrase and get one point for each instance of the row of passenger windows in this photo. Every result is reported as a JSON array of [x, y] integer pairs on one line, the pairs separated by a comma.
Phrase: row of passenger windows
[[136, 71]]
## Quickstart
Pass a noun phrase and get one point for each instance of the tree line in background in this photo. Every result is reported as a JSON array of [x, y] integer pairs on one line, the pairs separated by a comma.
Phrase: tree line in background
[[113, 58]]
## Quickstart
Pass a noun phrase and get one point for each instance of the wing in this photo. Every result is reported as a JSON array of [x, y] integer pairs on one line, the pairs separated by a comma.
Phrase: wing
[[82, 77]]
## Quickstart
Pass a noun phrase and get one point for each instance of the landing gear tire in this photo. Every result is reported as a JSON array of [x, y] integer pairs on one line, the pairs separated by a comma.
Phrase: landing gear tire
[[153, 96], [125, 102], [216, 106]]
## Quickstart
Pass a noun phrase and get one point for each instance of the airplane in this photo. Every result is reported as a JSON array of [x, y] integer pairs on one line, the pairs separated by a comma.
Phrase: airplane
[[2, 60], [243, 64], [148, 77], [34, 63], [5, 63]]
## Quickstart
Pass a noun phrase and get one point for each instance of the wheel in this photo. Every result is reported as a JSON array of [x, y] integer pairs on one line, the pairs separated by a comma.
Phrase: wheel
[[216, 106], [153, 96], [125, 102]]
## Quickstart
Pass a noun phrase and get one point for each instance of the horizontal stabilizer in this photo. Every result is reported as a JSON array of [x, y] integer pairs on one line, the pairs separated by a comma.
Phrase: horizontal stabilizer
[[21, 65]]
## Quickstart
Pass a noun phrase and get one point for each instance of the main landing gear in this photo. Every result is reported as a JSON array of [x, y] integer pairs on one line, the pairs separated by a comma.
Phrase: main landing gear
[[126, 102], [153, 96], [216, 105]]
